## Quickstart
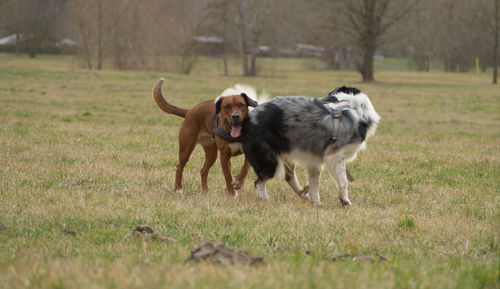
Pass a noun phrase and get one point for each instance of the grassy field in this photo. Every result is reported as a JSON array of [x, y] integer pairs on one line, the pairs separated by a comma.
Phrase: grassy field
[[88, 152]]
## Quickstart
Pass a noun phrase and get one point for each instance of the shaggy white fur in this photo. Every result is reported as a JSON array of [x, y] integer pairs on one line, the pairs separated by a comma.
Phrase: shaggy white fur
[[248, 90], [363, 107]]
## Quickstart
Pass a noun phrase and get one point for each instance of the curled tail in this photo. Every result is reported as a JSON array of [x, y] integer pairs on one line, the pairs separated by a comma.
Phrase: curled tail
[[164, 105]]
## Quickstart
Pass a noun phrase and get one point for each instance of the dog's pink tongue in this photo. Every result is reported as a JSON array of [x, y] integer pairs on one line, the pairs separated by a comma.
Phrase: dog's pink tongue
[[235, 130]]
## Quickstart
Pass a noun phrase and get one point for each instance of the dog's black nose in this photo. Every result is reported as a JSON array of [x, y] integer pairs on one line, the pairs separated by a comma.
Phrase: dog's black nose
[[235, 116]]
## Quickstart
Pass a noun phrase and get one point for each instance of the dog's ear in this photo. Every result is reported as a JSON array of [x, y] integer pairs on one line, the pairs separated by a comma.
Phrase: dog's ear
[[217, 105], [250, 102], [363, 129]]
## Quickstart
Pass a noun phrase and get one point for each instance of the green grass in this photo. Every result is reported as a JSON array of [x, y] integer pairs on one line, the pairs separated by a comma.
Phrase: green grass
[[89, 151]]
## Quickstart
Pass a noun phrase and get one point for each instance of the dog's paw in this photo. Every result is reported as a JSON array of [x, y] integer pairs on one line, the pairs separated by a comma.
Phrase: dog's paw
[[179, 191], [264, 197], [236, 184], [305, 192], [345, 203], [317, 204]]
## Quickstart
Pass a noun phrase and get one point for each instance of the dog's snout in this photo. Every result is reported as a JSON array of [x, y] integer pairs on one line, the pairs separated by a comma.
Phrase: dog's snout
[[235, 116]]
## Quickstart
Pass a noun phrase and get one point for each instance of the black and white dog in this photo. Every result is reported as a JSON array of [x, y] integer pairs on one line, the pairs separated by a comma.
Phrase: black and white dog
[[311, 131]]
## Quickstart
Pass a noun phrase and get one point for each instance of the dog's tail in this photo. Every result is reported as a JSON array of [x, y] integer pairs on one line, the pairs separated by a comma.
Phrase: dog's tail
[[164, 105]]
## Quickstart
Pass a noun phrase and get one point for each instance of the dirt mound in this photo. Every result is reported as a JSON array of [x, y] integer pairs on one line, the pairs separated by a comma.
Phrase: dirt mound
[[356, 257], [221, 255], [147, 233], [68, 232]]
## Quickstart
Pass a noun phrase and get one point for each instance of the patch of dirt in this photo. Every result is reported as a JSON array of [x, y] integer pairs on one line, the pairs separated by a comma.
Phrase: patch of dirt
[[221, 255], [147, 233], [356, 257], [3, 227], [68, 232], [284, 249]]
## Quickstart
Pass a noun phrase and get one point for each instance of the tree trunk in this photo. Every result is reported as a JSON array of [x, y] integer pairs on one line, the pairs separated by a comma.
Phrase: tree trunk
[[224, 59], [495, 61], [495, 44], [224, 38], [33, 45], [253, 64], [17, 43], [17, 29], [367, 66], [242, 42], [99, 34], [244, 64], [85, 45], [243, 55]]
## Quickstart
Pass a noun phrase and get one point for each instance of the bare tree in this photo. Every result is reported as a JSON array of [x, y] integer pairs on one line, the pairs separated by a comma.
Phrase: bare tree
[[37, 20], [257, 19], [88, 19], [252, 22], [421, 40], [488, 15], [13, 19], [99, 33], [79, 18], [224, 32], [495, 32], [188, 16], [367, 21], [241, 22], [216, 21]]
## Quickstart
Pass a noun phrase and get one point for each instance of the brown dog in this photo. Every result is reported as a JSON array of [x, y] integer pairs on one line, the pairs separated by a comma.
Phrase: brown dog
[[215, 126]]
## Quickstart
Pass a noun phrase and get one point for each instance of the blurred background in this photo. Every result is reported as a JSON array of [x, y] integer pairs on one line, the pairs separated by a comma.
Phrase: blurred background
[[239, 36]]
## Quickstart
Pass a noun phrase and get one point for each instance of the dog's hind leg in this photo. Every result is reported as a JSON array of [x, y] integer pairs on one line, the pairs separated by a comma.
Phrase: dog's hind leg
[[210, 158], [187, 142], [291, 179], [338, 170], [313, 174]]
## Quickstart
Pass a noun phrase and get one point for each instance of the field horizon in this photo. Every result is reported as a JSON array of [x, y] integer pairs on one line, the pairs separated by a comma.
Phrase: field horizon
[[87, 156]]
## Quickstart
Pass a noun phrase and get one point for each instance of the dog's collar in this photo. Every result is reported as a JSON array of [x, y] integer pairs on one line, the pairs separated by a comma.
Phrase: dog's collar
[[224, 134]]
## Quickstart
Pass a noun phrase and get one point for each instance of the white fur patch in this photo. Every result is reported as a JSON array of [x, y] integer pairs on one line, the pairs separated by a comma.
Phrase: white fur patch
[[347, 152], [363, 107], [306, 158], [236, 147], [248, 90]]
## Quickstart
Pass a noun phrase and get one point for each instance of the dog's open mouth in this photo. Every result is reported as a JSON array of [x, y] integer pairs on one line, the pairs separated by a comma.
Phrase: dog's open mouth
[[235, 130]]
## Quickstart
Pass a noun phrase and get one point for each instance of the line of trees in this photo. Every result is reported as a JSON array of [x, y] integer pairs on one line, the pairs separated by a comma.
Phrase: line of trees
[[159, 34]]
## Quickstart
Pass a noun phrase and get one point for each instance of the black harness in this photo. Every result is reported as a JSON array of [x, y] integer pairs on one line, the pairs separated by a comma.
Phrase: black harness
[[336, 109], [222, 133]]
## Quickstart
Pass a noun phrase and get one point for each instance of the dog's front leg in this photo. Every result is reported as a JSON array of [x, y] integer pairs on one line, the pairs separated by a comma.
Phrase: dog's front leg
[[226, 169], [313, 174], [339, 172], [260, 185], [240, 178]]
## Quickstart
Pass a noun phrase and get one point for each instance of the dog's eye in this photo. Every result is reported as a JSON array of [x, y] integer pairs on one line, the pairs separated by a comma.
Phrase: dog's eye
[[227, 107], [242, 106]]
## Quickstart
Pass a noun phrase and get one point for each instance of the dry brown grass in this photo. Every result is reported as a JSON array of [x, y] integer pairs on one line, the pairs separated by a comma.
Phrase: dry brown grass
[[90, 152]]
